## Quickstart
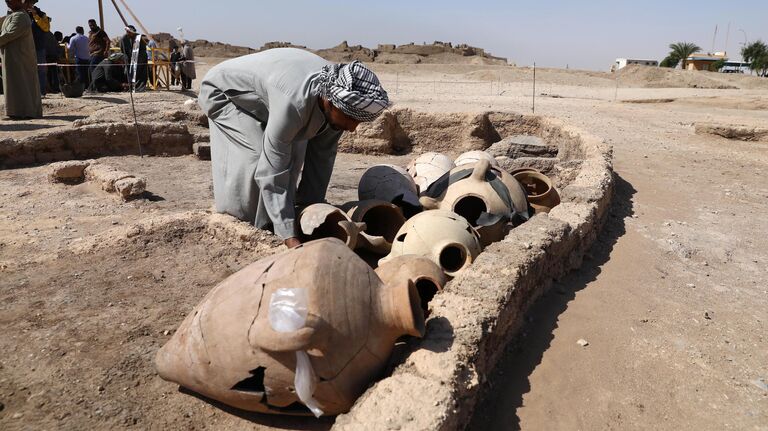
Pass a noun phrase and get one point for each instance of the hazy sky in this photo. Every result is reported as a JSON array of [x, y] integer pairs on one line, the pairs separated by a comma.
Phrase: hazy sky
[[582, 34]]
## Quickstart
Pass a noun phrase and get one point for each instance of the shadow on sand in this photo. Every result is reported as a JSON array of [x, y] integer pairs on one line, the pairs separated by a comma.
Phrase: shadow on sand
[[25, 127], [308, 423], [114, 100], [524, 354]]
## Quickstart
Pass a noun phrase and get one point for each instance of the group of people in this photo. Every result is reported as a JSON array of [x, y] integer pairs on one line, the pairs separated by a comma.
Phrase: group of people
[[275, 117], [103, 72], [31, 54]]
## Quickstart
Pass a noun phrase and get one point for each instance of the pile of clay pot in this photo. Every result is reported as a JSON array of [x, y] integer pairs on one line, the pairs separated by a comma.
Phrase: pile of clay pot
[[307, 331]]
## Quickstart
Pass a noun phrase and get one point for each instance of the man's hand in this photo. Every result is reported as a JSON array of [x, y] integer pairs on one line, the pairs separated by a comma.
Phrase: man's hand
[[292, 242]]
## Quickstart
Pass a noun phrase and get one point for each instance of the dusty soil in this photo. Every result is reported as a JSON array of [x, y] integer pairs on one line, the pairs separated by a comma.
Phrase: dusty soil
[[672, 301], [92, 287]]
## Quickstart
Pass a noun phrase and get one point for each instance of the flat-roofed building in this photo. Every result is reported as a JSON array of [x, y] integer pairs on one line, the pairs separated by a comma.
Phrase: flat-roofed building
[[704, 61], [621, 63]]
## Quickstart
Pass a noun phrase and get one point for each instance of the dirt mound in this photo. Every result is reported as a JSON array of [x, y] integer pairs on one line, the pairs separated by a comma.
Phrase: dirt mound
[[730, 131], [434, 53], [660, 77], [212, 229], [204, 48], [107, 314], [401, 131]]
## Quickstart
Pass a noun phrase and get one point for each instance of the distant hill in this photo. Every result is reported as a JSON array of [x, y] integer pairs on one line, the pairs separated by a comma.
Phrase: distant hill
[[434, 53]]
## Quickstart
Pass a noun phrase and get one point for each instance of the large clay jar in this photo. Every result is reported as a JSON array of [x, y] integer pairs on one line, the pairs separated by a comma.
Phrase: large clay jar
[[227, 350], [444, 237], [474, 156], [392, 184], [523, 210], [428, 278], [326, 221], [428, 168], [525, 169], [381, 219], [542, 194], [476, 193]]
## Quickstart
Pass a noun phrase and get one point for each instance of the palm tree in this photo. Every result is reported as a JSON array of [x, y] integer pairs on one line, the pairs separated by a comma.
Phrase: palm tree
[[756, 54], [683, 50], [670, 62]]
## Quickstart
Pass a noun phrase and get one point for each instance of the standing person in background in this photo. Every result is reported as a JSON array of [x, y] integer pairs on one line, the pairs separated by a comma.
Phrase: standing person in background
[[41, 25], [126, 46], [78, 49], [188, 72], [175, 66], [52, 54], [17, 51], [98, 45]]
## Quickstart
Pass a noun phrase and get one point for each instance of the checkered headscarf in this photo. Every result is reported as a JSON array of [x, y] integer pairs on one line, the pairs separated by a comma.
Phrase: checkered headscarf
[[354, 89]]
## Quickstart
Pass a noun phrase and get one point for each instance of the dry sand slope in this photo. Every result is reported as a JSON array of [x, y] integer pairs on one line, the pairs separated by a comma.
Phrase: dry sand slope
[[673, 300]]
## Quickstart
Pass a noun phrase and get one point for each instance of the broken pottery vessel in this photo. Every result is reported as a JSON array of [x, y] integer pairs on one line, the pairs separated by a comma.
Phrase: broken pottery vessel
[[542, 194], [326, 221], [444, 237], [477, 193], [428, 278], [227, 350], [382, 220], [472, 157], [392, 184], [428, 168], [523, 210]]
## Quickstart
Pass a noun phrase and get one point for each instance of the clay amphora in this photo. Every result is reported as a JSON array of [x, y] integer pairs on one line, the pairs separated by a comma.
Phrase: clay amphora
[[428, 168], [326, 221], [382, 220], [542, 194], [392, 184], [474, 156], [428, 278], [523, 210], [518, 170], [443, 236], [227, 350], [476, 193]]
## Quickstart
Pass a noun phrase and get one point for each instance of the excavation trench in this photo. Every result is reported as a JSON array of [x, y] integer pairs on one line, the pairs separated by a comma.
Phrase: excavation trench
[[154, 242]]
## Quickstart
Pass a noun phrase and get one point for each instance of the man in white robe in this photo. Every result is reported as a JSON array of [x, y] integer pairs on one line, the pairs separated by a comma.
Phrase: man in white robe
[[276, 116]]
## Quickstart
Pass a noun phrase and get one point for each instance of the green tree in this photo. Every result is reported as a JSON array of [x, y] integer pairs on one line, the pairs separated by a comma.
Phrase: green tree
[[716, 66], [756, 54], [683, 50], [670, 62]]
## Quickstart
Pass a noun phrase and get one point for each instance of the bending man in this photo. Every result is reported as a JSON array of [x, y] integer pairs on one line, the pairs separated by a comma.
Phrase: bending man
[[276, 116]]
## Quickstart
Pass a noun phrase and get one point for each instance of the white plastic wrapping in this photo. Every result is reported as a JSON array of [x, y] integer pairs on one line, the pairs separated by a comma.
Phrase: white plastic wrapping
[[288, 313]]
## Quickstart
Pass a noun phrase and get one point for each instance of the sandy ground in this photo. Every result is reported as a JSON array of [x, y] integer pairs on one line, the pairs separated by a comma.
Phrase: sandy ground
[[672, 299]]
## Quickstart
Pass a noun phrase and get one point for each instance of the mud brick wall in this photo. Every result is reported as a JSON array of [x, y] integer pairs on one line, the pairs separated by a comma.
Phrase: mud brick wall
[[96, 140]]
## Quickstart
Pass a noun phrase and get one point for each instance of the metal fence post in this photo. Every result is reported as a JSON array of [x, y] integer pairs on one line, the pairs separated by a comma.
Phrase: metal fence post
[[533, 105]]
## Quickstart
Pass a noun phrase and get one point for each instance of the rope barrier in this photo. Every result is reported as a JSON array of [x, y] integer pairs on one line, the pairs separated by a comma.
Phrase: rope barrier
[[112, 65]]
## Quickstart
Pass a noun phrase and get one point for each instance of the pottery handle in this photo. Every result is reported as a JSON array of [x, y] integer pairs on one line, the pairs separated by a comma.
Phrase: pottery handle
[[352, 230], [429, 203], [481, 168]]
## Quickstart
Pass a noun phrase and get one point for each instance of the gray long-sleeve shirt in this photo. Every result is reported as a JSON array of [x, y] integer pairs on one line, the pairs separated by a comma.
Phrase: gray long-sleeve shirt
[[277, 89]]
